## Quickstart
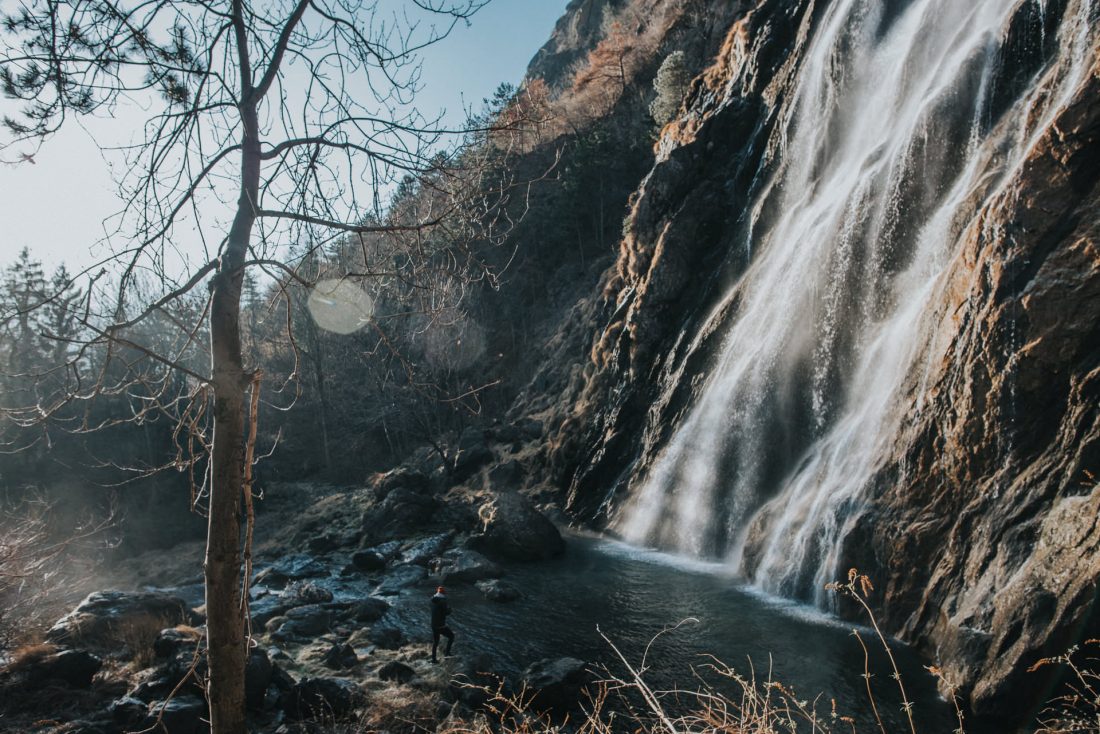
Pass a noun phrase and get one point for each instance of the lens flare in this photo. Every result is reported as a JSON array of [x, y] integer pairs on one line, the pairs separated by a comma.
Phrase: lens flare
[[340, 306]]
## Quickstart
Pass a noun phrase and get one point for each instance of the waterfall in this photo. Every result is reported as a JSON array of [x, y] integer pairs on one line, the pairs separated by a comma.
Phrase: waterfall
[[893, 138]]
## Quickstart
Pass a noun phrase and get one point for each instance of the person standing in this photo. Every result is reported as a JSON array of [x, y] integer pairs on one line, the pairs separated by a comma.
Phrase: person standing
[[440, 609]]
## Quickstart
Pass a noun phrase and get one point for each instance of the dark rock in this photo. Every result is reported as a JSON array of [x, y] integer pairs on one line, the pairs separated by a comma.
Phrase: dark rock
[[305, 621], [74, 667], [401, 477], [401, 577], [340, 656], [102, 616], [473, 453], [556, 683], [171, 641], [402, 513], [369, 609], [396, 671], [506, 476], [290, 568], [127, 710], [299, 593], [324, 543], [497, 590], [421, 552], [258, 674], [530, 428], [386, 637], [511, 527], [466, 566], [475, 680], [325, 698], [368, 561], [180, 715]]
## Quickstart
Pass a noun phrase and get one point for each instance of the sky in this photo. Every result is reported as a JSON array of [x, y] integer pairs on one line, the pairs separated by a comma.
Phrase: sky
[[56, 206]]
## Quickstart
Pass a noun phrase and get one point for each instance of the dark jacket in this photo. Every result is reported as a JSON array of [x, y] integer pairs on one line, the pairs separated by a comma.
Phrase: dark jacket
[[440, 610]]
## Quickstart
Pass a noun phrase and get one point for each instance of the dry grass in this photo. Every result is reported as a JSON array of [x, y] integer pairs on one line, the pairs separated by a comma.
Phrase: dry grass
[[137, 635], [29, 653]]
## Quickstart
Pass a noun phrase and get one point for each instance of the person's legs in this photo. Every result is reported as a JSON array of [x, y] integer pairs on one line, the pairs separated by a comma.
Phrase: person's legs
[[450, 639], [435, 643]]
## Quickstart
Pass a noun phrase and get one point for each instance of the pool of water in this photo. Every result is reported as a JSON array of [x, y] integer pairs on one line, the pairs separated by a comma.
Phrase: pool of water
[[630, 595]]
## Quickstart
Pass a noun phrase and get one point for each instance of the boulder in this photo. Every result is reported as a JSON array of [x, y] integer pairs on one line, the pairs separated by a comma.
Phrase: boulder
[[368, 561], [474, 681], [305, 621], [386, 637], [174, 640], [73, 667], [180, 715], [299, 593], [556, 683], [396, 671], [369, 609], [507, 475], [423, 551], [127, 710], [258, 674], [511, 527], [400, 514], [472, 454], [290, 568], [340, 656], [499, 591], [104, 616], [401, 477], [466, 566], [326, 698]]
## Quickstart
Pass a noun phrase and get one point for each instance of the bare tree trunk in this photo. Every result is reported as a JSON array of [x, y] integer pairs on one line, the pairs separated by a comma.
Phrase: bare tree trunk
[[225, 628], [225, 624]]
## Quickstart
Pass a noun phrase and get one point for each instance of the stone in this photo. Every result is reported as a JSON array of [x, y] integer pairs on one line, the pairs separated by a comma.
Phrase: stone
[[472, 454], [474, 679], [396, 671], [422, 551], [103, 616], [369, 609], [466, 566], [180, 715], [258, 674], [73, 667], [511, 527], [506, 476], [386, 637], [401, 577], [340, 656], [400, 514], [127, 710], [368, 561], [309, 620], [322, 698], [556, 683], [171, 641], [499, 591], [299, 593], [290, 568]]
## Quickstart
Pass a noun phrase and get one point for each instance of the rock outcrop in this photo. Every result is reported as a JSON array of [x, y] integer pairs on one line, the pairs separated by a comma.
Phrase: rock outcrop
[[980, 523]]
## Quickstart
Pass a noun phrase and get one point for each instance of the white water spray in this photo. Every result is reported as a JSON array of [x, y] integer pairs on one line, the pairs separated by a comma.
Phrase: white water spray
[[889, 155]]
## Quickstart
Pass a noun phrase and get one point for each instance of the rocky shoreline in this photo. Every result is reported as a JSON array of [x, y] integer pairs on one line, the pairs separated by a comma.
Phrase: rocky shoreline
[[334, 606]]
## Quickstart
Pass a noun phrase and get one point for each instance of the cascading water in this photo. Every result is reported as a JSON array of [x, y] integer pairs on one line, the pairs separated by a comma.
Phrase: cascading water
[[893, 138]]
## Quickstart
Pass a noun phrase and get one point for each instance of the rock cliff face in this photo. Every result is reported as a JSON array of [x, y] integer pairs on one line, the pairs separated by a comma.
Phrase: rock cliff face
[[978, 509]]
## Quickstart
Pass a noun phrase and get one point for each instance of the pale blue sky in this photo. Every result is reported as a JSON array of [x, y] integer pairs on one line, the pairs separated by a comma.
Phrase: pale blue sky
[[56, 206]]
